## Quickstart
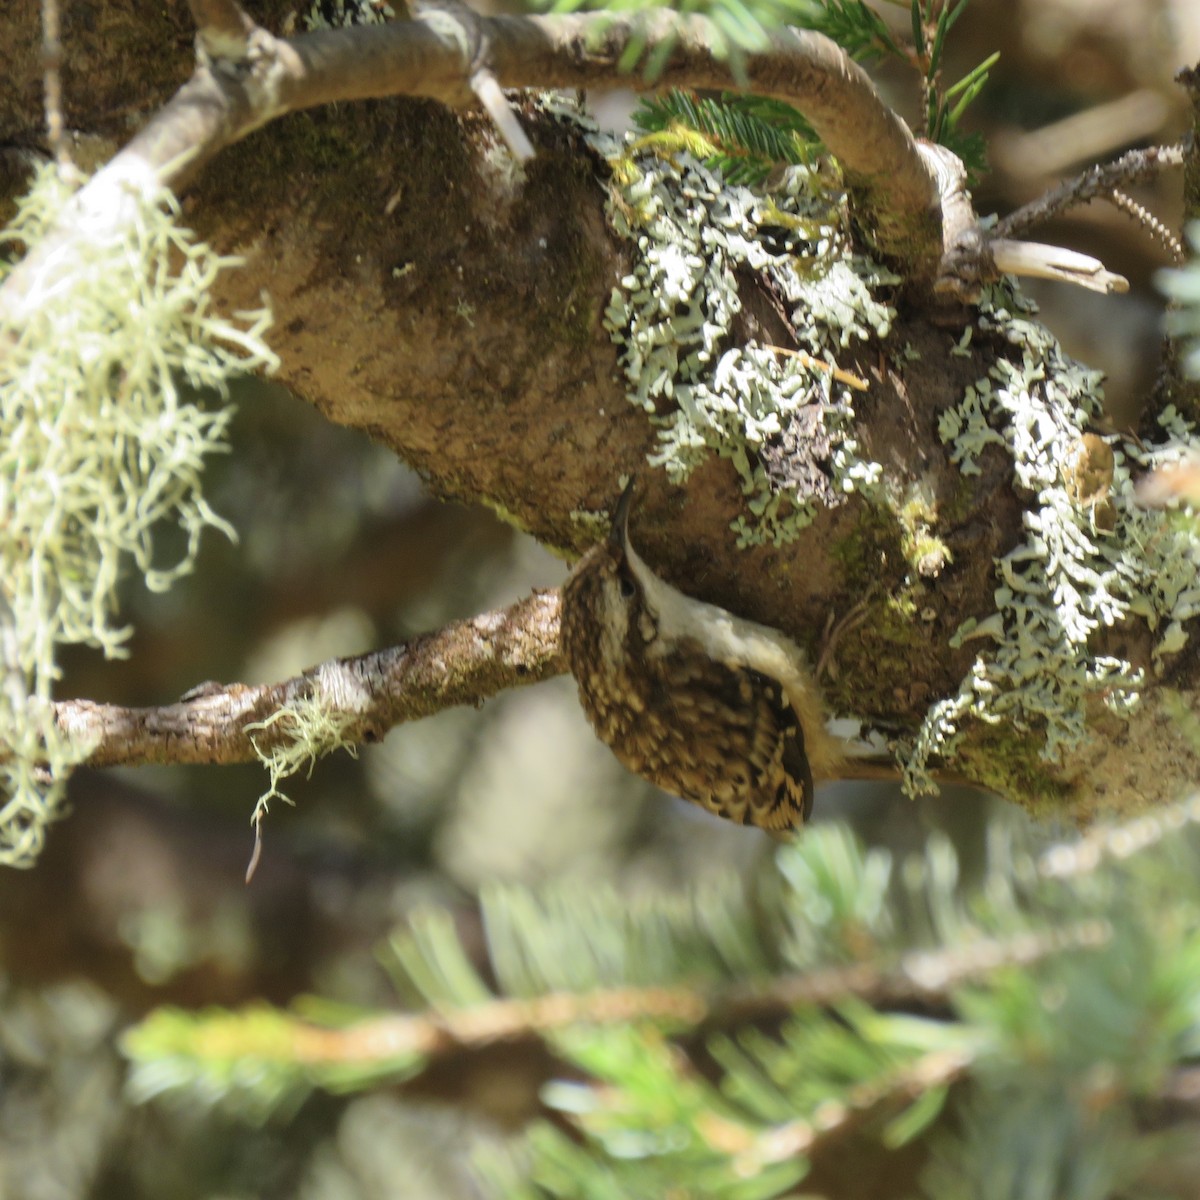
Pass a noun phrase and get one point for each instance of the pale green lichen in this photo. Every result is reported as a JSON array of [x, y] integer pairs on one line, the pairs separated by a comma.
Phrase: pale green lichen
[[306, 727], [692, 235], [1092, 557], [916, 514], [101, 440], [594, 524], [302, 730]]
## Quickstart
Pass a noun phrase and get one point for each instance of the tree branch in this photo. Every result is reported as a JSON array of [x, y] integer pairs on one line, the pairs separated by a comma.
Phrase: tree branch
[[52, 57], [926, 977], [518, 402], [1096, 182], [263, 77], [464, 663], [223, 28]]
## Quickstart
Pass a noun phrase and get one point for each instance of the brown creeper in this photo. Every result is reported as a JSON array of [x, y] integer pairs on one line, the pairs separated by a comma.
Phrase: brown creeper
[[714, 708]]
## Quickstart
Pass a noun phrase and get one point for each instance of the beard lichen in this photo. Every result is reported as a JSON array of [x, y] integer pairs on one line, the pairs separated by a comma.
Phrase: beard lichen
[[306, 727], [102, 440], [1092, 558]]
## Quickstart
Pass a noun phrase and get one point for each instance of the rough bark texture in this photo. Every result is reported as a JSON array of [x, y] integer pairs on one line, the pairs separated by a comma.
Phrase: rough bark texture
[[454, 315]]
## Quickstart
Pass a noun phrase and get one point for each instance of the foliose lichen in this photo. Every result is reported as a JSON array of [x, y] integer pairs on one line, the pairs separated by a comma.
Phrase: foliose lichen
[[693, 237], [1092, 557]]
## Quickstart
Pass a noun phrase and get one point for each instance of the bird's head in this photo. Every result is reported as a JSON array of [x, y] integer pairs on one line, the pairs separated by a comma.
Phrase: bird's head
[[612, 585]]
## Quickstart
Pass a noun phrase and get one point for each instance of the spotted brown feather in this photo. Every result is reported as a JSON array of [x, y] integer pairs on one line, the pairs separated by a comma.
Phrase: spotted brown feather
[[703, 704]]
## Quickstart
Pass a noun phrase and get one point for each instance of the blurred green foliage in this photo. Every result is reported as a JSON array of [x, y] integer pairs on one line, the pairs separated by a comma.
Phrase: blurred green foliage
[[707, 1049]]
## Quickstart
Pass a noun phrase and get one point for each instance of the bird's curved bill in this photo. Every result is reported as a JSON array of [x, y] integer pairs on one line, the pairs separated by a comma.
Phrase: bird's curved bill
[[620, 523]]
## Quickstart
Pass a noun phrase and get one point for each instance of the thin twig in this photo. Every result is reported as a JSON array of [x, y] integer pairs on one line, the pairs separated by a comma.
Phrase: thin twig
[[52, 83], [835, 1119], [1094, 183], [1114, 843], [223, 28], [464, 663], [454, 19], [1148, 221], [1038, 261], [491, 96], [895, 184]]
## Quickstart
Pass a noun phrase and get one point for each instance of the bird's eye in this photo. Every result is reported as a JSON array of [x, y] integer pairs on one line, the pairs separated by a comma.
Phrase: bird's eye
[[628, 587]]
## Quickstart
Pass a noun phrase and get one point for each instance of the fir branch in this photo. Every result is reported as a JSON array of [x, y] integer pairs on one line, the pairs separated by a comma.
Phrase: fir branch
[[857, 28], [751, 134], [1075, 1013], [931, 1073], [295, 1046]]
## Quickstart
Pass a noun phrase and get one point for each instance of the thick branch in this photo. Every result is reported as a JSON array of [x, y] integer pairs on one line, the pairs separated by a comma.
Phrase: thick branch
[[268, 77], [496, 380], [464, 663]]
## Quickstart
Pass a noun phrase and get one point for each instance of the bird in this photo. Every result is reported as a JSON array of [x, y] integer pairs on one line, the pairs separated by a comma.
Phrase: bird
[[706, 705]]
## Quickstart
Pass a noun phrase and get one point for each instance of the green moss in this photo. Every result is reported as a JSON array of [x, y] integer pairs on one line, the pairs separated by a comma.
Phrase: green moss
[[579, 310], [926, 554], [1178, 708], [851, 553], [958, 506], [291, 153], [569, 311], [859, 552], [886, 632], [1008, 762], [904, 604], [503, 512], [876, 663]]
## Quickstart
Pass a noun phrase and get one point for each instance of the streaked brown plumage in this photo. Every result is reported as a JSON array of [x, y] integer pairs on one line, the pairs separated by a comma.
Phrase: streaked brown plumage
[[706, 705]]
